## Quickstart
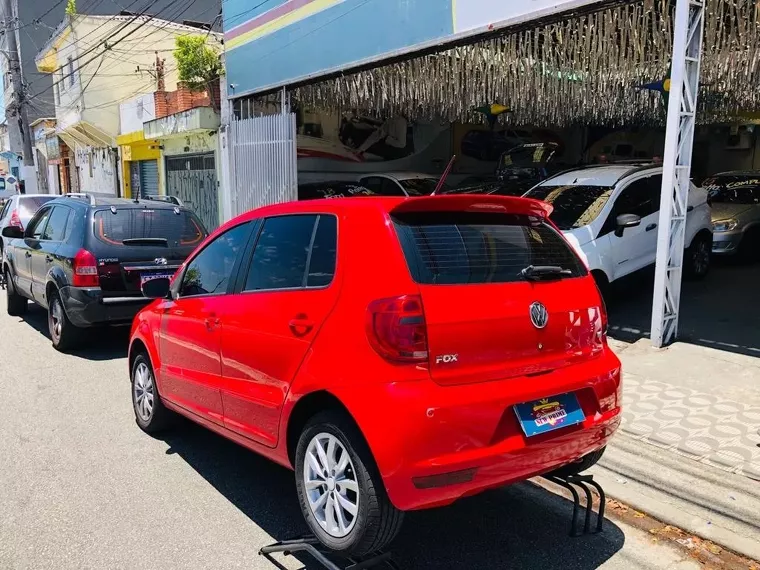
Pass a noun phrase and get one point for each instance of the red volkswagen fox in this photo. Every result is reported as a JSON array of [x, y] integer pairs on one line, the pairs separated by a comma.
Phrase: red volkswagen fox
[[398, 354]]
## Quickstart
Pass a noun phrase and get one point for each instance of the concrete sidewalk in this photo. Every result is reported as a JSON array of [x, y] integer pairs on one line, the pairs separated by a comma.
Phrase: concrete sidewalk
[[689, 452]]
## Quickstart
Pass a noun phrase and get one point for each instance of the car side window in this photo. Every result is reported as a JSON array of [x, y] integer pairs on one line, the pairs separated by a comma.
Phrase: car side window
[[641, 197], [281, 253], [38, 223], [323, 252], [210, 272], [56, 226], [5, 209]]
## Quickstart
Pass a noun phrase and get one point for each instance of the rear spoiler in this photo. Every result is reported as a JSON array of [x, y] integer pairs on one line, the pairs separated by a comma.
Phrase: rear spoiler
[[475, 203]]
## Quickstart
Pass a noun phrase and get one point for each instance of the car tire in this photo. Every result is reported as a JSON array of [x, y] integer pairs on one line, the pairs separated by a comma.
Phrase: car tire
[[376, 521], [17, 304], [697, 257], [602, 284], [150, 413], [63, 334], [585, 462]]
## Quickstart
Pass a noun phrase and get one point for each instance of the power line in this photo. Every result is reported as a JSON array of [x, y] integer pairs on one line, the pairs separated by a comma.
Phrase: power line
[[245, 12]]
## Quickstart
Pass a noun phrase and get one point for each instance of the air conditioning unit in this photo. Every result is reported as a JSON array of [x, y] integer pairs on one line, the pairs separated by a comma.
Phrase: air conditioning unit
[[740, 140]]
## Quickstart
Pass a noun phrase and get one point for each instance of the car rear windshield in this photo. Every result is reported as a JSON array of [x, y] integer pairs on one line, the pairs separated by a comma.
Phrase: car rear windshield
[[177, 227], [462, 248], [575, 206]]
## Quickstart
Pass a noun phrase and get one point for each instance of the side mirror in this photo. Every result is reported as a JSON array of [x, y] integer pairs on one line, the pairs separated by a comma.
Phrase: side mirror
[[626, 221], [13, 232], [156, 288]]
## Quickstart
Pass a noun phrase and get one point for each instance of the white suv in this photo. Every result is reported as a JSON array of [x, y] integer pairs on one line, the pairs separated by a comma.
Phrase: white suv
[[610, 215]]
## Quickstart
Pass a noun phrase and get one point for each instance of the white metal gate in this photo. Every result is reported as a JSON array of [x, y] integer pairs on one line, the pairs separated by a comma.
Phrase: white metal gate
[[263, 161]]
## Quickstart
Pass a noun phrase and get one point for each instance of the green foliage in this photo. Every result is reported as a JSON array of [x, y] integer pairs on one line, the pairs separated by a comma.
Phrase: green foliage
[[198, 64], [71, 7]]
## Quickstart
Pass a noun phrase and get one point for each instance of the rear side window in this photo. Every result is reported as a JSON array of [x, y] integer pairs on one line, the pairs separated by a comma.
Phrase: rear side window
[[294, 252], [30, 204], [56, 226], [461, 248], [177, 227]]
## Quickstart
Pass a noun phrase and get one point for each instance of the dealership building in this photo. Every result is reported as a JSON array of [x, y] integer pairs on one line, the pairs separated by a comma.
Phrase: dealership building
[[349, 89]]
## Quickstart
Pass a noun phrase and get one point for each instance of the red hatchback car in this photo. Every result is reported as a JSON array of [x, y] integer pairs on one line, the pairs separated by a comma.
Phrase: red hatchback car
[[398, 354]]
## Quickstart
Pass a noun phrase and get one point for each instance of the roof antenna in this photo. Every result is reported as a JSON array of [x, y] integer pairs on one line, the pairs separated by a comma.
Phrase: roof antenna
[[445, 175]]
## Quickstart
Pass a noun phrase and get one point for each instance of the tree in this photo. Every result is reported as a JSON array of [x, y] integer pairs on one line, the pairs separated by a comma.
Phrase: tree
[[198, 64], [71, 7]]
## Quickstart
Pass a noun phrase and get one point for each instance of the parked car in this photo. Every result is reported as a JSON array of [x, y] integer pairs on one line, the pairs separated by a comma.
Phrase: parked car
[[391, 376], [735, 200], [400, 183], [610, 214], [331, 189], [84, 260], [18, 210]]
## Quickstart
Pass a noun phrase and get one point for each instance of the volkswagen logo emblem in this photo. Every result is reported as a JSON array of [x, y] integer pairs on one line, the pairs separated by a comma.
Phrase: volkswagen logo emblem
[[160, 261], [538, 315]]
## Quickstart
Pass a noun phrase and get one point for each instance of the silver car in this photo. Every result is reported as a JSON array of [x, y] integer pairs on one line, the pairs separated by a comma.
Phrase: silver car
[[735, 199], [18, 210]]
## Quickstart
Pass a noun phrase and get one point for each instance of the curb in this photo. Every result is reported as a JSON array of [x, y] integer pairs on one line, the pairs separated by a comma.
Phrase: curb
[[693, 524]]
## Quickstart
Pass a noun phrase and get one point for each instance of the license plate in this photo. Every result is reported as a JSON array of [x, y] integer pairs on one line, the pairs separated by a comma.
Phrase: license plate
[[145, 277], [549, 414]]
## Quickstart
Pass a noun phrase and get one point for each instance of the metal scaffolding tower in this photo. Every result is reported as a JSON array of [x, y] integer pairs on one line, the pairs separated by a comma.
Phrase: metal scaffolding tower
[[679, 141]]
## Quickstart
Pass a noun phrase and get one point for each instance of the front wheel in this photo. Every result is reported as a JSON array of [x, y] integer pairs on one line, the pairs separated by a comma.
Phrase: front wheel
[[340, 490], [150, 413], [63, 334], [697, 257]]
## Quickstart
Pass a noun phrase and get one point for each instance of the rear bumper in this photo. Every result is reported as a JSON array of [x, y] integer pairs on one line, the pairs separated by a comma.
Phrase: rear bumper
[[87, 307], [434, 445]]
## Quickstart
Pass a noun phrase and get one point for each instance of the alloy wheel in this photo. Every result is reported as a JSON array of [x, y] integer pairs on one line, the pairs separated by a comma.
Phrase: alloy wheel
[[144, 392], [56, 318], [332, 488], [701, 258]]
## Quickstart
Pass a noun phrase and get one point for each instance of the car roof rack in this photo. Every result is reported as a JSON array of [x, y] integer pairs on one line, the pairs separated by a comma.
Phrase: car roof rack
[[168, 199], [80, 195]]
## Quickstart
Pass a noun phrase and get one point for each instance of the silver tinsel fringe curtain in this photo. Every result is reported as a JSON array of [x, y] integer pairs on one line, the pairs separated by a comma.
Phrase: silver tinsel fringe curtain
[[586, 70]]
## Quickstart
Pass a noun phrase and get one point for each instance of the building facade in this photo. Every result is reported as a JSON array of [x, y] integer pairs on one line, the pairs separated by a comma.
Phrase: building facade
[[90, 83]]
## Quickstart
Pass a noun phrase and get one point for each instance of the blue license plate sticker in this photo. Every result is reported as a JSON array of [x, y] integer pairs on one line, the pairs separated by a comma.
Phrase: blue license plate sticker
[[548, 414]]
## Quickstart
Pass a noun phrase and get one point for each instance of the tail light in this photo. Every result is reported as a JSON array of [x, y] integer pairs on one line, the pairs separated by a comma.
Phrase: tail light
[[396, 329], [15, 221], [85, 270]]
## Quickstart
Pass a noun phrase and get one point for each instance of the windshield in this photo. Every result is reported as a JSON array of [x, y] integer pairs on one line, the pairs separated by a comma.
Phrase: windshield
[[733, 190], [177, 227], [574, 206], [420, 186]]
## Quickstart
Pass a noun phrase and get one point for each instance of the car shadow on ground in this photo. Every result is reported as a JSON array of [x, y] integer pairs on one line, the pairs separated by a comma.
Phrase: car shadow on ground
[[720, 311], [516, 527], [107, 343]]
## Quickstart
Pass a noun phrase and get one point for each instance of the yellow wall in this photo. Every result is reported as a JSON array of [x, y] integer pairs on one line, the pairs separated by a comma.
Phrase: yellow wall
[[133, 152]]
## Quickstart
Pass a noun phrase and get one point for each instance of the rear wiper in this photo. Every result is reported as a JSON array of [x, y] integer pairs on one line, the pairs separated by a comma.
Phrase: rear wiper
[[542, 272], [145, 241]]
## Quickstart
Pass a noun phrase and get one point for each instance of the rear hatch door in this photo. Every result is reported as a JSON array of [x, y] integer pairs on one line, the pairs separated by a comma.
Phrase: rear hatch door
[[489, 316], [135, 244]]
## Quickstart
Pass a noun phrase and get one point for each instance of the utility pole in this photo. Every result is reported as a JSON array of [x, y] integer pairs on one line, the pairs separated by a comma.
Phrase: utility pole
[[17, 110]]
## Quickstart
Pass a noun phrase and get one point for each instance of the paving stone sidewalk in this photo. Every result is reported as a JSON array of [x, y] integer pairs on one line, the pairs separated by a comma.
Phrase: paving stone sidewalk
[[673, 399]]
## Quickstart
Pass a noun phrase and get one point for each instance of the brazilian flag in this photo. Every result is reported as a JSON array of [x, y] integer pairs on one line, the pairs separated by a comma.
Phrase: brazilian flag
[[492, 112], [663, 86]]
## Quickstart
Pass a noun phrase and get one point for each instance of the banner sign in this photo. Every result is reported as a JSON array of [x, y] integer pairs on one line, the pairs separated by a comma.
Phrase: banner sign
[[282, 42]]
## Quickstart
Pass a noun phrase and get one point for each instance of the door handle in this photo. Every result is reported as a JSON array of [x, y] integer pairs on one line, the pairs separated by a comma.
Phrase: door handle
[[650, 227], [300, 325], [27, 254], [211, 323]]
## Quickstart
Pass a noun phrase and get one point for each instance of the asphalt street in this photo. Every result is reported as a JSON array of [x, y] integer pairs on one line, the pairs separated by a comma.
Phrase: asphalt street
[[82, 487]]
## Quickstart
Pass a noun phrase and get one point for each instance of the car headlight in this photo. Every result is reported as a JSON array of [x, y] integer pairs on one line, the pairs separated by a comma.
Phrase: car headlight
[[725, 226]]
